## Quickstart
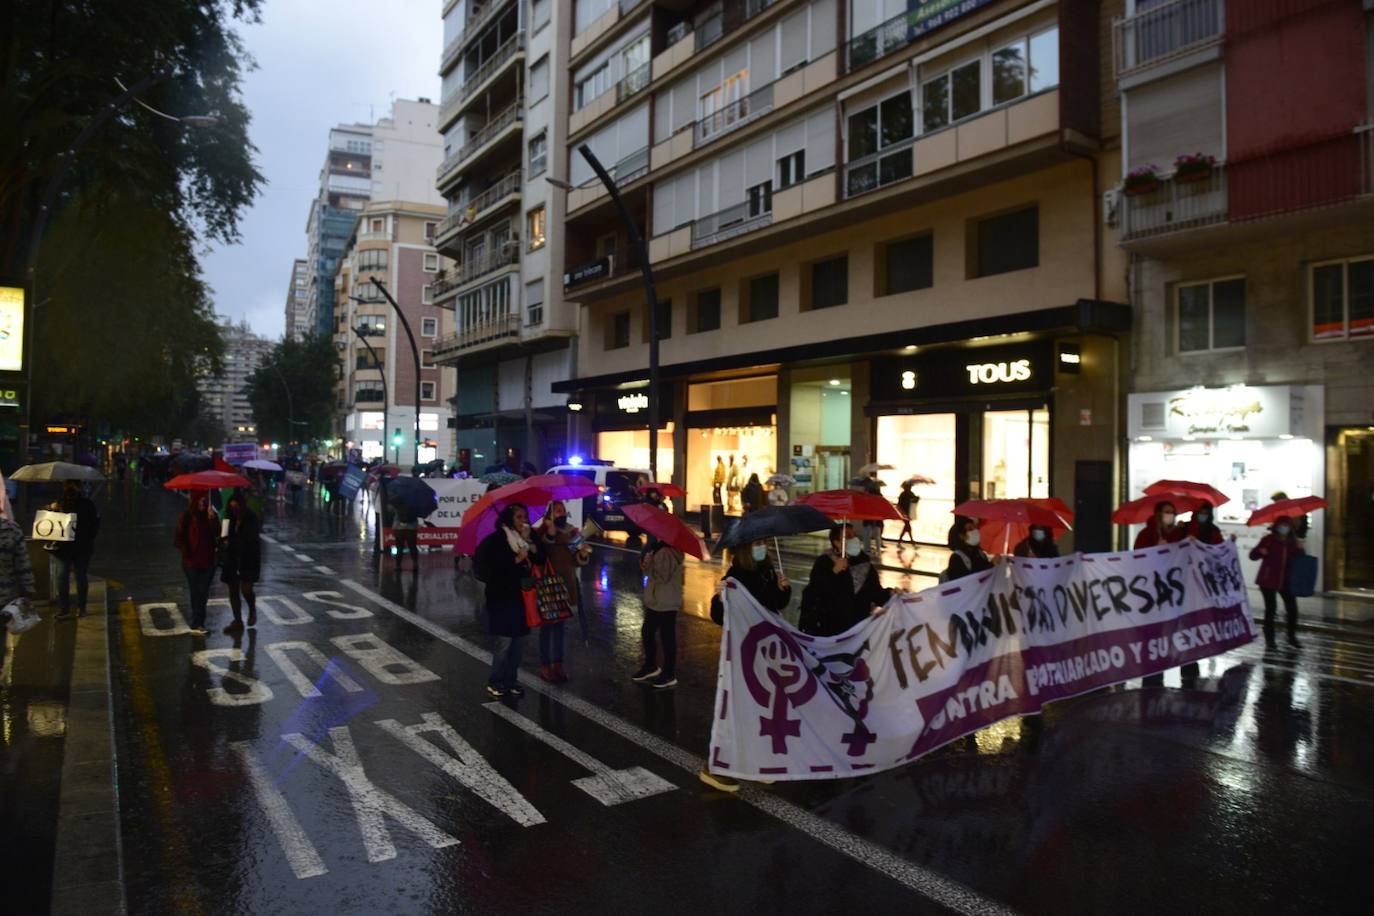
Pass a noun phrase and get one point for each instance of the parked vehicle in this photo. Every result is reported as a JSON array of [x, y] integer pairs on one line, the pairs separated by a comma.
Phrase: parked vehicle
[[616, 488]]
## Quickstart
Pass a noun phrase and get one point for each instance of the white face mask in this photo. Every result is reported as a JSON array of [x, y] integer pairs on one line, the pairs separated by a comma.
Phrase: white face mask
[[1167, 519], [853, 547], [972, 538], [759, 552], [1038, 535]]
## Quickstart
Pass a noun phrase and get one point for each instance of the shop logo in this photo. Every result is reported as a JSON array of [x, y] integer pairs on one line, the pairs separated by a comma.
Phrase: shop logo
[[1216, 410], [908, 380], [633, 403], [991, 373]]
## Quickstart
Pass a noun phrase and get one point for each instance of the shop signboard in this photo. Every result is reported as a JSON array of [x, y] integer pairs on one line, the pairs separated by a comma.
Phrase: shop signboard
[[1238, 411], [11, 329], [965, 372], [628, 408], [586, 273]]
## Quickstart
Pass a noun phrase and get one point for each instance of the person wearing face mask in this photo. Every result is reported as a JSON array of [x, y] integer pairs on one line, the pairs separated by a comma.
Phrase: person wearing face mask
[[196, 532], [1276, 551], [966, 557], [566, 552], [843, 589], [1039, 543], [1162, 528], [662, 567], [1203, 527], [242, 562], [503, 560]]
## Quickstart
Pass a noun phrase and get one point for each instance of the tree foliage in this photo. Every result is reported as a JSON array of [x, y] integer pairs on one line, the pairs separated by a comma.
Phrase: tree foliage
[[295, 383]]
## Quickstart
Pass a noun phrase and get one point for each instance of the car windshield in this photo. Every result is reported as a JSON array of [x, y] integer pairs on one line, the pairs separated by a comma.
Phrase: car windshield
[[621, 481]]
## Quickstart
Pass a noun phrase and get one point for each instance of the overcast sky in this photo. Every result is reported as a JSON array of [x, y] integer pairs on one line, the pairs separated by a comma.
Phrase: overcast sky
[[320, 62]]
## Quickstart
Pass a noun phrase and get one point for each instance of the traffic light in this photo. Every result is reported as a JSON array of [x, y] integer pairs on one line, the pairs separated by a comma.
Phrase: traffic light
[[396, 437]]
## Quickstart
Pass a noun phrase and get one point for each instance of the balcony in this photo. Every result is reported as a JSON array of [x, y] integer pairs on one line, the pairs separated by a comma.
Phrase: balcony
[[724, 21], [1174, 206], [368, 396], [511, 116], [728, 223], [633, 83], [733, 116], [444, 282], [456, 101], [632, 167], [479, 266], [478, 16], [900, 31], [499, 194], [1166, 33], [495, 329]]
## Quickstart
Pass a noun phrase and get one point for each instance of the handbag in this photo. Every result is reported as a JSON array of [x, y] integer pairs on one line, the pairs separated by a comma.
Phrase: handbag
[[530, 597], [553, 601], [1302, 576]]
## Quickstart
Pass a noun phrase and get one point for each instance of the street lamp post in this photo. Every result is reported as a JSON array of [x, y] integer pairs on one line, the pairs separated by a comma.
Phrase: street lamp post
[[415, 351], [363, 334]]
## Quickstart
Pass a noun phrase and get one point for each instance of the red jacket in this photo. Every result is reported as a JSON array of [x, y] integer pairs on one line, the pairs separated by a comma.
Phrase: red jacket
[[195, 538], [1210, 535], [1149, 536], [1274, 553]]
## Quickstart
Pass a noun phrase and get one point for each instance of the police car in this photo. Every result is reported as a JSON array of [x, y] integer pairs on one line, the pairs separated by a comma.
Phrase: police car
[[616, 487]]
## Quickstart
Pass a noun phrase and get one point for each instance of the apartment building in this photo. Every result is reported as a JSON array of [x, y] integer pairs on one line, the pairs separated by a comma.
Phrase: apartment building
[[876, 234], [503, 117], [297, 300], [392, 244], [225, 396], [1245, 206]]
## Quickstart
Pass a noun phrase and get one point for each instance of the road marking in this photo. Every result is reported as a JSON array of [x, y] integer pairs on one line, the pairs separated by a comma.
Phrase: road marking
[[268, 538], [301, 854], [608, 786], [287, 547], [325, 570], [371, 805], [304, 686], [923, 881], [304, 559]]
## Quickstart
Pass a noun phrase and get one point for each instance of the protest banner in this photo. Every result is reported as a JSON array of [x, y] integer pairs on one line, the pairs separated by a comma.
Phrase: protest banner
[[440, 528], [239, 452], [941, 663]]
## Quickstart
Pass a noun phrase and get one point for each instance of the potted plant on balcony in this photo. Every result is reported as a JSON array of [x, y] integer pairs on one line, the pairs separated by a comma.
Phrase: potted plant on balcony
[[1194, 167], [1141, 180]]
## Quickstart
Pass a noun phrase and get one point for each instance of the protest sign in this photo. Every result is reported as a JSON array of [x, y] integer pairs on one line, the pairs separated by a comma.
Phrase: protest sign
[[440, 528], [939, 664]]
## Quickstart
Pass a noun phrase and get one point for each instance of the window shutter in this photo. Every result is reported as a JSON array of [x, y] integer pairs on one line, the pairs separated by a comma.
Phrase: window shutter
[[789, 139], [793, 41], [732, 179], [820, 140], [758, 162], [823, 28], [762, 62]]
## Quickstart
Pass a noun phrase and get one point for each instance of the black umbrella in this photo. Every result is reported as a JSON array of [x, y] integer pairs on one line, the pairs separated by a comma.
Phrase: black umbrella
[[773, 522], [413, 493]]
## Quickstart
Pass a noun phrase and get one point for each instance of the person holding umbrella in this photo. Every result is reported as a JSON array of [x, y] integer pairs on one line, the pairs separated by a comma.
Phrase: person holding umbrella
[[242, 564], [965, 556], [1203, 527], [75, 555], [906, 504], [843, 588], [566, 552], [196, 531], [662, 564], [504, 558], [1162, 528], [1276, 551]]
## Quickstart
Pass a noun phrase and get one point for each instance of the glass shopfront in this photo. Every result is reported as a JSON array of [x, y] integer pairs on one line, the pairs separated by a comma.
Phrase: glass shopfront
[[920, 444], [629, 448], [820, 419], [731, 426], [1016, 453], [620, 419], [1352, 509]]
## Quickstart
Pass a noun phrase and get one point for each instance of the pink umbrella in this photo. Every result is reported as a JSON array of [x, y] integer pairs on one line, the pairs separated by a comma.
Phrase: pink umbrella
[[480, 518]]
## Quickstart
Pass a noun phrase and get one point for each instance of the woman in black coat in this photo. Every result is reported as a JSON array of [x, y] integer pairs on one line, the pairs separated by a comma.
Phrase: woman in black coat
[[843, 589], [242, 560], [965, 556], [1039, 544], [503, 560]]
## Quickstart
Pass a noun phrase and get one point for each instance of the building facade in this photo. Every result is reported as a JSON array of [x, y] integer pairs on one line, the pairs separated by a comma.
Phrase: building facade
[[297, 300], [876, 235], [503, 117], [225, 395], [392, 244], [1245, 207]]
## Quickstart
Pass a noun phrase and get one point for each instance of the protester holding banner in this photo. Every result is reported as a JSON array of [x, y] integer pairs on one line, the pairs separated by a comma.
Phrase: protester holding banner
[[1202, 527], [196, 532], [242, 561], [965, 556], [1276, 551], [1039, 543], [663, 565], [505, 560], [566, 552], [843, 588], [1162, 528], [75, 555]]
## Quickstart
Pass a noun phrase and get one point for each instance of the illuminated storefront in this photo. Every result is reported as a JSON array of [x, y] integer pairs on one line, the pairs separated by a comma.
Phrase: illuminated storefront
[[735, 421], [621, 427]]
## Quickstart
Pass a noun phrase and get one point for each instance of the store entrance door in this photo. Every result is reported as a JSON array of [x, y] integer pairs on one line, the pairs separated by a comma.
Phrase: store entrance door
[[832, 468], [1355, 533]]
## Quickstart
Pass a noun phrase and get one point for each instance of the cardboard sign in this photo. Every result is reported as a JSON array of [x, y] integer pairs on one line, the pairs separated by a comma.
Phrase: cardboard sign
[[54, 526]]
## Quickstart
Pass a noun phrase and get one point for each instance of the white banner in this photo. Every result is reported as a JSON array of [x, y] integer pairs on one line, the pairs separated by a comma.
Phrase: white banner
[[441, 526], [957, 657]]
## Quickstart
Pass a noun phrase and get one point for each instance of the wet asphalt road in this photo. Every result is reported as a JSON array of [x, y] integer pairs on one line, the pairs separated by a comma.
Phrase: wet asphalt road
[[301, 769]]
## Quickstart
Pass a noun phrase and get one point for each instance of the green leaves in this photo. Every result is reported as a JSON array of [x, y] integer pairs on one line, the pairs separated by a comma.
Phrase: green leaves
[[295, 383]]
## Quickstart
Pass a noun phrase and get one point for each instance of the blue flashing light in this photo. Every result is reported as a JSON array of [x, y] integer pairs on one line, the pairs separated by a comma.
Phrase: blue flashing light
[[575, 460]]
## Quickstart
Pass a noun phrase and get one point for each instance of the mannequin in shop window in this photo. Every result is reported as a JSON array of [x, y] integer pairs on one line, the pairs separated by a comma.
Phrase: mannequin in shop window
[[732, 485], [1162, 528], [966, 557]]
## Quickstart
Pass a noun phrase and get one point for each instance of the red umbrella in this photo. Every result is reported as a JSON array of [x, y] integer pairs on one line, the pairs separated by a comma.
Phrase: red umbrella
[[667, 527], [1139, 511], [1203, 491], [851, 505], [221, 465], [207, 480], [480, 518], [1007, 522], [669, 490], [1289, 507]]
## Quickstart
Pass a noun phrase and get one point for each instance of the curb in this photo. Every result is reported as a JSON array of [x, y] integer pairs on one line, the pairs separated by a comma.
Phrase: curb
[[88, 865]]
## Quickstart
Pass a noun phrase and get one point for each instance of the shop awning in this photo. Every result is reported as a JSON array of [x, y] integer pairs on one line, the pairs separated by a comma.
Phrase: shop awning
[[1084, 316]]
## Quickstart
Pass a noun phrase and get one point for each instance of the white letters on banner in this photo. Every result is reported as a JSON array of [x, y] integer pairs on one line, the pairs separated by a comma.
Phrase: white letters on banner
[[939, 664]]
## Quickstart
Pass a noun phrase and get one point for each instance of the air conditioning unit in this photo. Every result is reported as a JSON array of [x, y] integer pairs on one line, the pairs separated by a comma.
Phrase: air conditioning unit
[[1111, 202]]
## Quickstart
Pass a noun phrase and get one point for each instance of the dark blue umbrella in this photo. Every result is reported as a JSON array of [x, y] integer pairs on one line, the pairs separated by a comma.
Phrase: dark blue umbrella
[[414, 494], [773, 522]]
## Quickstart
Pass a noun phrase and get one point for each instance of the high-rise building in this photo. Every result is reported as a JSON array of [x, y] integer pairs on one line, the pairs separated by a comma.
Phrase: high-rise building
[[503, 117], [392, 244], [225, 396], [297, 300]]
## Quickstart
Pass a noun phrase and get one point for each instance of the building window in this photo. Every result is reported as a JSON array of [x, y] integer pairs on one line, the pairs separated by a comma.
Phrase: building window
[[377, 225], [368, 292], [952, 96], [830, 282], [1007, 242], [534, 301], [761, 199], [619, 331], [872, 134], [1211, 315], [372, 325], [427, 391], [429, 327], [761, 301], [1343, 300], [791, 169], [1024, 66], [721, 107], [426, 359], [431, 263], [431, 229], [539, 79], [707, 317], [539, 14], [426, 294], [908, 264], [664, 319], [591, 86], [539, 154], [364, 360], [373, 259], [535, 225]]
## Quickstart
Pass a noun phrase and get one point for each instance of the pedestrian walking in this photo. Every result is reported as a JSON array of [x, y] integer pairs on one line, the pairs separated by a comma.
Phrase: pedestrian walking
[[663, 565], [196, 532], [752, 494], [717, 480], [1276, 551], [241, 566], [566, 552], [906, 504], [1203, 527], [843, 588], [872, 530], [16, 574], [504, 561], [75, 556], [966, 557], [1162, 528], [1038, 543]]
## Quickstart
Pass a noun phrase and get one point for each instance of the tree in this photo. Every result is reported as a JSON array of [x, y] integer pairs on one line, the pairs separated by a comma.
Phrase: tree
[[295, 385]]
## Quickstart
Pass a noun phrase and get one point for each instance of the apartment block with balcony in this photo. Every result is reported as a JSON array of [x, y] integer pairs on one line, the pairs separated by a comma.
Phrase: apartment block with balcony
[[392, 244], [503, 117], [1244, 200], [875, 234], [297, 300]]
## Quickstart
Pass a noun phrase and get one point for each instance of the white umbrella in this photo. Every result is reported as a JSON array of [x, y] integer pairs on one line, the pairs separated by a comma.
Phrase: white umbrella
[[874, 466], [55, 470], [781, 480], [261, 464]]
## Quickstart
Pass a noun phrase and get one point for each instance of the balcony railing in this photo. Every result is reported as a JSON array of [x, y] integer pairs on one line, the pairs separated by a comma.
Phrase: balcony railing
[[1165, 32], [488, 262], [725, 20], [733, 116], [634, 82], [1175, 205], [478, 16], [444, 282], [728, 223], [631, 167], [497, 327], [878, 170], [492, 195], [508, 116], [514, 45], [368, 395], [901, 30]]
